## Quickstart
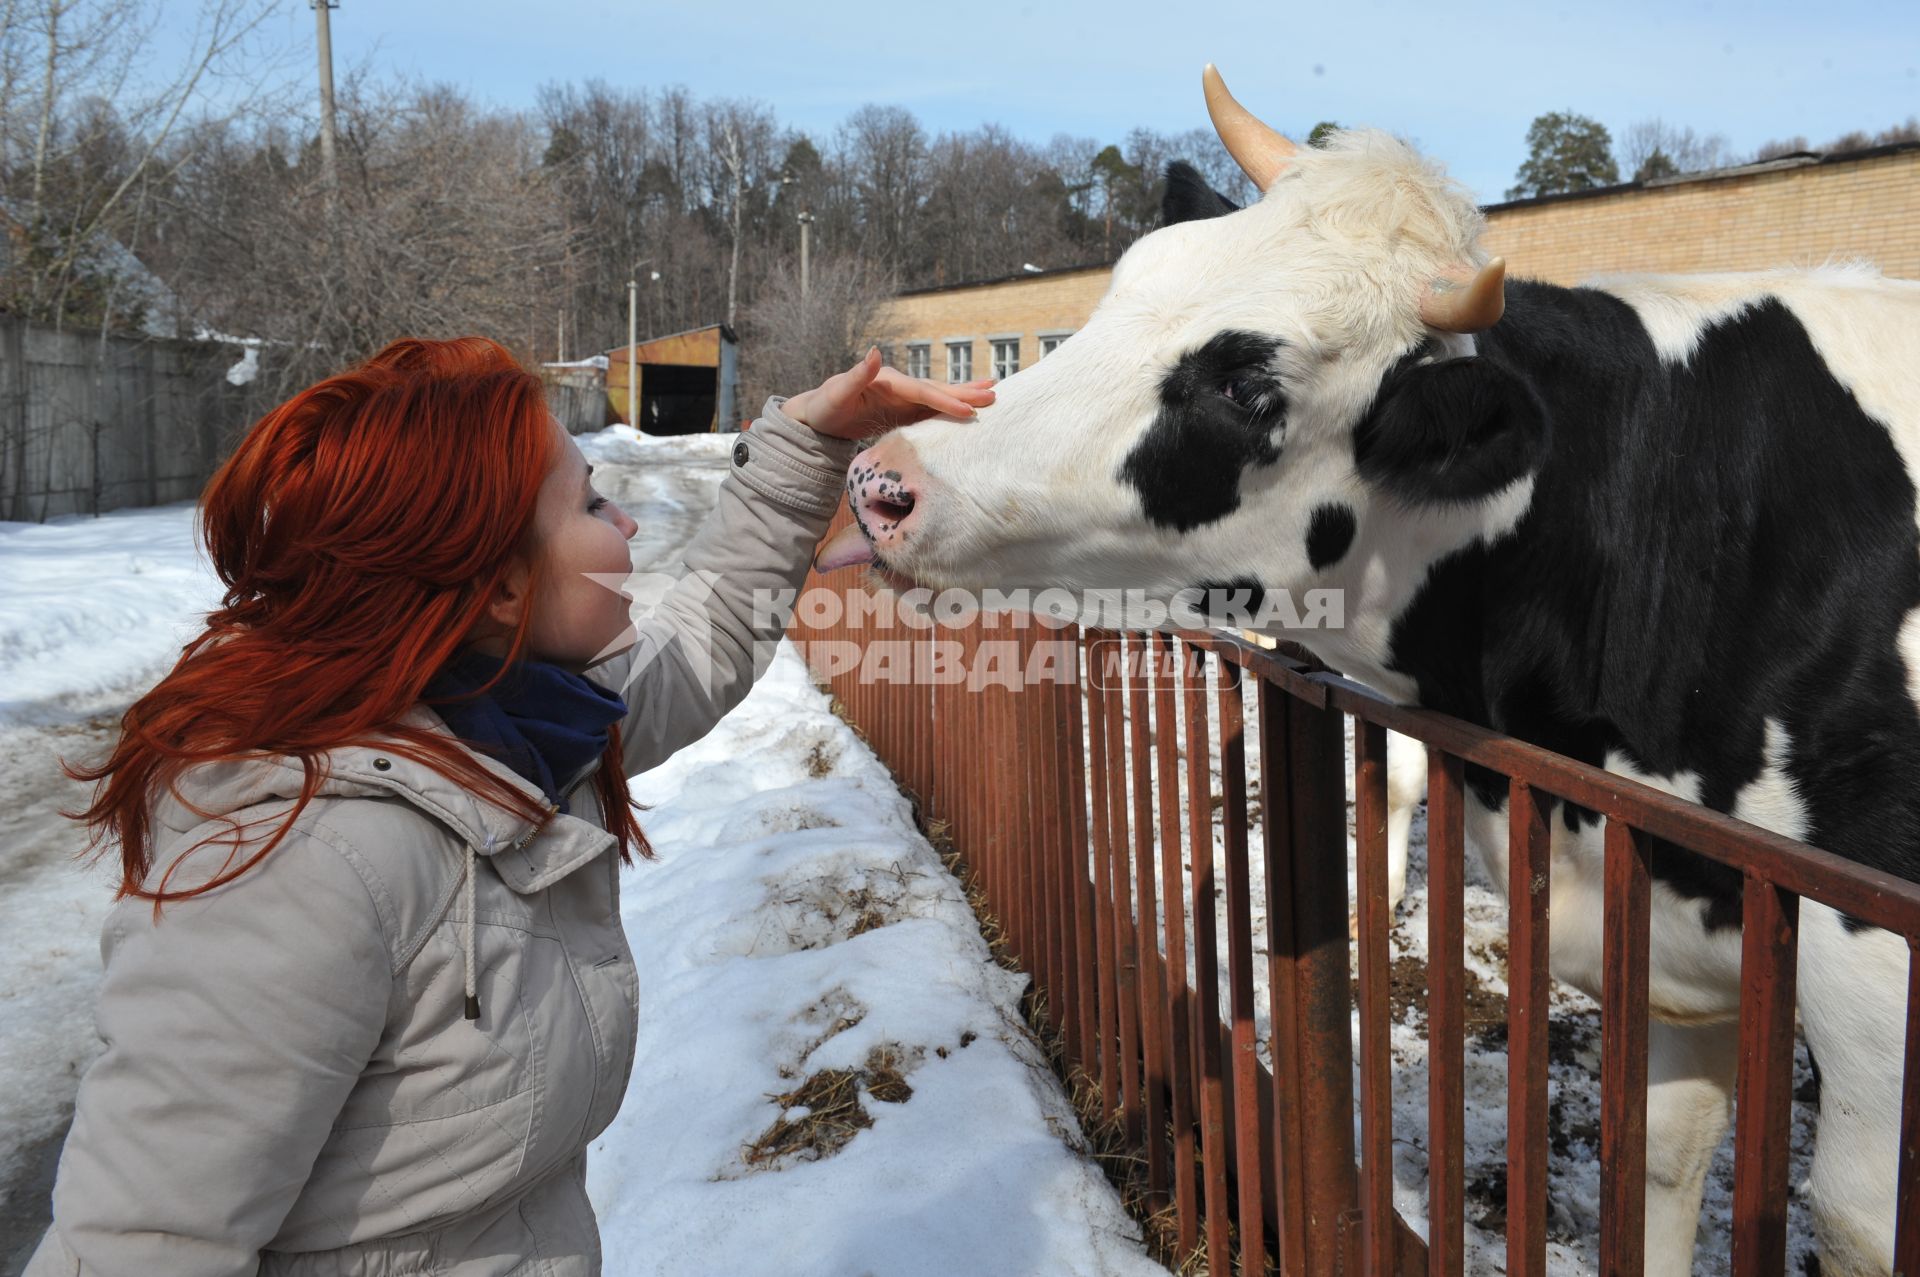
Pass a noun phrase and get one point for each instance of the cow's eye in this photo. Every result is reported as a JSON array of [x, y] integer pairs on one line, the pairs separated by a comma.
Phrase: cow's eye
[[1234, 389]]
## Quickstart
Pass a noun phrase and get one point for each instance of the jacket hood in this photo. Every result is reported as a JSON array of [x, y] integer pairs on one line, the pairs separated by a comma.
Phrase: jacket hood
[[528, 856]]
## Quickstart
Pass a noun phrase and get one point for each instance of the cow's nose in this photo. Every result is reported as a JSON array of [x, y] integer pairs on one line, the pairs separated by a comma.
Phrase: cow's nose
[[888, 487]]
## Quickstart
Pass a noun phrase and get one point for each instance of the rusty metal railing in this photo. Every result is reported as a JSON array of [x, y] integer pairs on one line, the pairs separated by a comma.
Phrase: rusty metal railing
[[1073, 769]]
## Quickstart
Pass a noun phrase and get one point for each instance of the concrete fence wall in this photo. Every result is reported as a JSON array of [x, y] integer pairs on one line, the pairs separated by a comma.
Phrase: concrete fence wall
[[578, 398], [88, 426]]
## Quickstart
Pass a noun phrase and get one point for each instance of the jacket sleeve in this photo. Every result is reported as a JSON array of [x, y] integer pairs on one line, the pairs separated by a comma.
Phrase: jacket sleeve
[[235, 1027], [715, 627]]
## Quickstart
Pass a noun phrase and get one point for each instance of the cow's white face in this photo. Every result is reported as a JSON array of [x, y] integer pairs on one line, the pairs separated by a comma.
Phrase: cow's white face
[[1227, 416]]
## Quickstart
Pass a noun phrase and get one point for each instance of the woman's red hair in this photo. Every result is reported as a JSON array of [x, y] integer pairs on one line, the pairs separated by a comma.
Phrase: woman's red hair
[[361, 528]]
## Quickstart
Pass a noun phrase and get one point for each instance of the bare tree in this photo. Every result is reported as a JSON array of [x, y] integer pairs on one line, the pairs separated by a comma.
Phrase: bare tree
[[103, 132], [740, 138], [1645, 144], [1854, 140], [992, 206], [795, 339], [885, 153], [1778, 147], [444, 223]]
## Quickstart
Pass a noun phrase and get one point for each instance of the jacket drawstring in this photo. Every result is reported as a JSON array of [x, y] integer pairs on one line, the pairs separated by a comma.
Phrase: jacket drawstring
[[473, 988], [466, 933]]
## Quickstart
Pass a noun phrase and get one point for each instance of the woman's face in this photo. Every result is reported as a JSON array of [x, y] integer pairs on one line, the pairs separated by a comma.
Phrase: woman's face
[[579, 610]]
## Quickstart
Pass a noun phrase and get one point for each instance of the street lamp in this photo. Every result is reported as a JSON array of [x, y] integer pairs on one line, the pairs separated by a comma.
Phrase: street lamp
[[787, 179], [633, 357], [633, 339], [806, 224]]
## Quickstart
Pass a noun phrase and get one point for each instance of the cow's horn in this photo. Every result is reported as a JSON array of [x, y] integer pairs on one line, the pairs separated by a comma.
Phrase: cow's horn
[[1259, 151], [1469, 303]]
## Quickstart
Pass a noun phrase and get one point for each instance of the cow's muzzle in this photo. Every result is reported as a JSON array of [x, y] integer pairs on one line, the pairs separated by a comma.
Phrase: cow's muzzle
[[887, 487]]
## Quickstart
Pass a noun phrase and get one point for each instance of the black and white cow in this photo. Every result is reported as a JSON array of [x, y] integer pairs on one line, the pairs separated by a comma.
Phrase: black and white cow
[[1665, 525]]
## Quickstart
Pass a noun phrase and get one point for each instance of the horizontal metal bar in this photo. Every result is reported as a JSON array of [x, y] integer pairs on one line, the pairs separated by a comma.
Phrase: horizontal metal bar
[[1869, 894]]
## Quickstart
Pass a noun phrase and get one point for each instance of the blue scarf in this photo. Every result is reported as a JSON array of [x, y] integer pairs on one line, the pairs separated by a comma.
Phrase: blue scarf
[[546, 723]]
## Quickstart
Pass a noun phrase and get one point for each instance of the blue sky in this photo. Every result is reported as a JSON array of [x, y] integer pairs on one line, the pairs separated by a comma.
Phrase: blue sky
[[1462, 80]]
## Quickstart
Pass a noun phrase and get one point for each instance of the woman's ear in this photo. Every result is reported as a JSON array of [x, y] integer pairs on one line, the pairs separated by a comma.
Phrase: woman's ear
[[1455, 431], [509, 597]]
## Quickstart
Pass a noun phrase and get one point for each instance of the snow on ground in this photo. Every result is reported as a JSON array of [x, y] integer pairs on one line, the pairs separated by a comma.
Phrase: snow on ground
[[92, 606], [742, 930], [91, 609], [795, 923]]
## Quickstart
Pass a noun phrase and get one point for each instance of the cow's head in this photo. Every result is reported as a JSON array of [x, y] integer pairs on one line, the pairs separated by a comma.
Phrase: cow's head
[[1283, 395]]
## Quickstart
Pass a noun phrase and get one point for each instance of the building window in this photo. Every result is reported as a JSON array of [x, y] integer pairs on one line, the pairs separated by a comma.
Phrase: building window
[[959, 361], [920, 360], [1006, 358], [1051, 342]]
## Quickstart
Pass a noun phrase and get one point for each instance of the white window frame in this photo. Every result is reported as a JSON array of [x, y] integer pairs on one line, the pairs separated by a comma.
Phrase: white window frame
[[1006, 355], [919, 359], [1050, 342], [959, 360]]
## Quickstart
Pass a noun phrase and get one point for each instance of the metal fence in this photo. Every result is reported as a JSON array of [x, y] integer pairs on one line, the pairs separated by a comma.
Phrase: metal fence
[[89, 425], [1071, 799]]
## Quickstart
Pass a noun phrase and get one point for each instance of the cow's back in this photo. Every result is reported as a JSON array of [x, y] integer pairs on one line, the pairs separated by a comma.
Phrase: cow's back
[[1864, 326]]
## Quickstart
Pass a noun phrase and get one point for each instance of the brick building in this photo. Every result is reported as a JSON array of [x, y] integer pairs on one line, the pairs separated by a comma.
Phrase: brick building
[[991, 328], [1798, 210]]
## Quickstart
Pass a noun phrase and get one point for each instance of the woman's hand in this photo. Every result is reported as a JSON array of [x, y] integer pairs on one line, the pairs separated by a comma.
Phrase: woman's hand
[[869, 398]]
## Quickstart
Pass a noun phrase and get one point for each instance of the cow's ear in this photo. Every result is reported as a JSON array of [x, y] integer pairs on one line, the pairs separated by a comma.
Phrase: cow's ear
[[1458, 430], [1189, 198]]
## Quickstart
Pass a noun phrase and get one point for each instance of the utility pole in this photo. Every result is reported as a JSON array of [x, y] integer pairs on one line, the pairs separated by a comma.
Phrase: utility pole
[[737, 165], [633, 353], [324, 28], [806, 225]]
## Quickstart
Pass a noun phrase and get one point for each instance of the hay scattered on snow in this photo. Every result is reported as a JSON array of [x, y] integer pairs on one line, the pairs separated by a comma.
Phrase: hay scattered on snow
[[820, 1115]]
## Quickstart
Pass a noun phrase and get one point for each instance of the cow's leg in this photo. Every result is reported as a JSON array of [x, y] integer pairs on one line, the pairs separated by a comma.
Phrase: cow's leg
[[1690, 1076], [1406, 786], [1853, 993]]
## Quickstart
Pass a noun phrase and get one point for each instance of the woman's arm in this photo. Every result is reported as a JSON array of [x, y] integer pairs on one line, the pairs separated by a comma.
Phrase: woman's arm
[[235, 1026], [702, 646]]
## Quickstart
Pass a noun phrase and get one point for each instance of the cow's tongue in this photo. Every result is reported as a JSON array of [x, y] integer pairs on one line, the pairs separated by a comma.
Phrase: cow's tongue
[[845, 548]]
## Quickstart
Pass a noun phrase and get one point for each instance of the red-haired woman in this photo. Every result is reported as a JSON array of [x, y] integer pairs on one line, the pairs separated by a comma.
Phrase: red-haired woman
[[367, 997]]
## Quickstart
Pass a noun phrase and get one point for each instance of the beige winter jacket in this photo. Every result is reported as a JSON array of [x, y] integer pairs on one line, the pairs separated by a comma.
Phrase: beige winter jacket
[[290, 1085]]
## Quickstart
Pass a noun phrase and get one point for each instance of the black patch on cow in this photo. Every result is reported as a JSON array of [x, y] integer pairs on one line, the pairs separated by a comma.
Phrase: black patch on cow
[[1189, 198], [1330, 535], [1220, 407], [1453, 431], [1234, 603], [1710, 545]]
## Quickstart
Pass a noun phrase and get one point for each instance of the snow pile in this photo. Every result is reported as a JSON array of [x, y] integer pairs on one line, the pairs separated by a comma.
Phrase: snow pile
[[92, 606], [794, 924], [248, 368], [620, 442]]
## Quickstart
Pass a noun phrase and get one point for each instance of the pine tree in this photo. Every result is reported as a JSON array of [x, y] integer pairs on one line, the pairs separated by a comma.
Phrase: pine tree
[[1565, 152]]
